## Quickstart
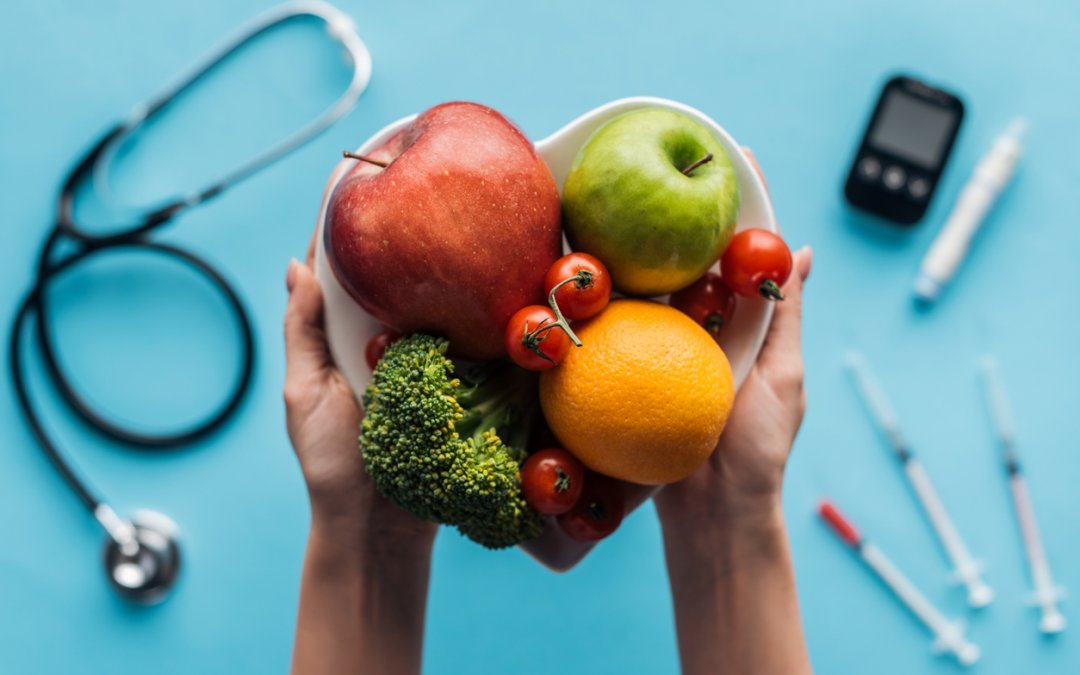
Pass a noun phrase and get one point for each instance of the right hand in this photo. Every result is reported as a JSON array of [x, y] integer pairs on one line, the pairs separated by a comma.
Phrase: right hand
[[743, 477], [740, 483]]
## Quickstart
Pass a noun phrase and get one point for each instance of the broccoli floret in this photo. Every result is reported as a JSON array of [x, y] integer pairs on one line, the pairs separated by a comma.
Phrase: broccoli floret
[[431, 443]]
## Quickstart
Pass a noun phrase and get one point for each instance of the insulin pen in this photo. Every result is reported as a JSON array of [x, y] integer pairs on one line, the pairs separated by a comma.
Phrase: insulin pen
[[992, 174], [948, 635], [1046, 594], [966, 569]]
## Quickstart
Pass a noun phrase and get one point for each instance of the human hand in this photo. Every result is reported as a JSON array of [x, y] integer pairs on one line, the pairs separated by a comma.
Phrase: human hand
[[742, 479], [323, 420]]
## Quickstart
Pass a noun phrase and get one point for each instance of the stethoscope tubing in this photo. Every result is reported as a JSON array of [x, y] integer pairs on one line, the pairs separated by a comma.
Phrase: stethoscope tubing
[[135, 236], [35, 305]]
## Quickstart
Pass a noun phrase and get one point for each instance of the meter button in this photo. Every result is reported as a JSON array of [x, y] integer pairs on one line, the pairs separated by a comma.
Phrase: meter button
[[894, 178], [869, 168], [918, 188]]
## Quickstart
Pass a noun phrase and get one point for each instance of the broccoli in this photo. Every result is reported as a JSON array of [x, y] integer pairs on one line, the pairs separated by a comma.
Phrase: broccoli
[[432, 444]]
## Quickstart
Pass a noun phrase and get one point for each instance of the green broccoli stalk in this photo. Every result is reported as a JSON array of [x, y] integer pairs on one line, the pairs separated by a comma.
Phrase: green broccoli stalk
[[431, 443]]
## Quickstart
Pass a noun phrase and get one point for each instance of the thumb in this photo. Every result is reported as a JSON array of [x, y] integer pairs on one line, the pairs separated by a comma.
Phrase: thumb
[[783, 341], [306, 351]]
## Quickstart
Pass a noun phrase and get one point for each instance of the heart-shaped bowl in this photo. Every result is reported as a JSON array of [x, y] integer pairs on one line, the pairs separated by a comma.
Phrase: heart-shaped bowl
[[349, 327]]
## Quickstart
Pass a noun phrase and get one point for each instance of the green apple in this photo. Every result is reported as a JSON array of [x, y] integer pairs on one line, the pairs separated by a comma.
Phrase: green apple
[[651, 194]]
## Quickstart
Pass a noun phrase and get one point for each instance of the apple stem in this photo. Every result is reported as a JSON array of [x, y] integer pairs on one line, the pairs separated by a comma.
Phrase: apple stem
[[364, 158], [704, 160]]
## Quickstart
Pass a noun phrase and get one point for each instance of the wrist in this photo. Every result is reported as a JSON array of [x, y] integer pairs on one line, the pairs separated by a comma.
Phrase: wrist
[[748, 510], [727, 510], [348, 547], [379, 528], [747, 532]]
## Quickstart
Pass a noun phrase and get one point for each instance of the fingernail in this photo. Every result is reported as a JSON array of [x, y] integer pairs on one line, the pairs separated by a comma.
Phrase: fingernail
[[290, 276]]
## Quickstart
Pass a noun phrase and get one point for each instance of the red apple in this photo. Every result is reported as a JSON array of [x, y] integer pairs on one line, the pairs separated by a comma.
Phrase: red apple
[[454, 234]]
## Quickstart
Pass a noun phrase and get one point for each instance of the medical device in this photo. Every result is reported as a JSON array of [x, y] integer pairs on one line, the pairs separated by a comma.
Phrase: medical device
[[142, 557], [966, 569], [904, 150], [1046, 594], [992, 174], [948, 635]]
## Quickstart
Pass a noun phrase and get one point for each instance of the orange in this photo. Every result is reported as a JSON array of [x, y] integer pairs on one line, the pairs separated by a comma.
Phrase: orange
[[645, 397]]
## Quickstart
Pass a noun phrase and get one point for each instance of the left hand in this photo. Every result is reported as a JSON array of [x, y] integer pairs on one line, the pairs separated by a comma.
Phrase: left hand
[[323, 419]]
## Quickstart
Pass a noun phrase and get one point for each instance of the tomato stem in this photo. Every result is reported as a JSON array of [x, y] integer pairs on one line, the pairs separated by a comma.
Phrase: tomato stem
[[713, 323], [704, 160], [770, 291], [562, 480], [531, 339], [364, 158], [585, 277]]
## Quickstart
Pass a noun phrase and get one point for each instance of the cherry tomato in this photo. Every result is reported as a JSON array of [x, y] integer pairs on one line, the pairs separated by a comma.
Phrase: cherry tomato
[[708, 301], [552, 480], [377, 345], [756, 262], [534, 340], [598, 511], [588, 294]]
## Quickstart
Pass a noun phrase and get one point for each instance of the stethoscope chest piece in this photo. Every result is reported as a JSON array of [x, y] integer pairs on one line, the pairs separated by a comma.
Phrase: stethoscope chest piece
[[144, 566]]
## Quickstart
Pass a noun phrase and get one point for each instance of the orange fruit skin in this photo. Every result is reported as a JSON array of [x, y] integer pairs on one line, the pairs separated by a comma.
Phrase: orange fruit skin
[[645, 398]]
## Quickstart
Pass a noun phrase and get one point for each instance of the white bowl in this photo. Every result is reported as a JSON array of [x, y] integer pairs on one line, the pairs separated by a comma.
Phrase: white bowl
[[349, 327]]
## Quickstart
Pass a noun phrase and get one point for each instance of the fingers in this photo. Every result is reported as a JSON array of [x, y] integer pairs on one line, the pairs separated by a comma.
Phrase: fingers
[[306, 353], [311, 249], [757, 167], [782, 353]]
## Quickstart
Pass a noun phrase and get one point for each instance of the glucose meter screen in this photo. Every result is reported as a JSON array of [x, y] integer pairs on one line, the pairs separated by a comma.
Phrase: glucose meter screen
[[913, 129]]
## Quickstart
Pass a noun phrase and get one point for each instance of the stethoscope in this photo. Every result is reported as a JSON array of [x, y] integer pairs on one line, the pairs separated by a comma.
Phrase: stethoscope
[[142, 556]]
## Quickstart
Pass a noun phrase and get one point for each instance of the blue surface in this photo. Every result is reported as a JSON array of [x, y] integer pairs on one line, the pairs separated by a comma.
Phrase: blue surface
[[794, 80]]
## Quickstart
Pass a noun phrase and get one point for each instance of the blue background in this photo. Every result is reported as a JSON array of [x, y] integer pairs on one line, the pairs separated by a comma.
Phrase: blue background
[[794, 80]]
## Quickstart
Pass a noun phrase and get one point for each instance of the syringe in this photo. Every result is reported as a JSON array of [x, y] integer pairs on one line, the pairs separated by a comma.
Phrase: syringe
[[1046, 595], [966, 569], [948, 635]]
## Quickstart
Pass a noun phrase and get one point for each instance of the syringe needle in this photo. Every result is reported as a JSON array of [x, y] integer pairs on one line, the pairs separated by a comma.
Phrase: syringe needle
[[999, 411], [1046, 594], [948, 635], [965, 568], [877, 405]]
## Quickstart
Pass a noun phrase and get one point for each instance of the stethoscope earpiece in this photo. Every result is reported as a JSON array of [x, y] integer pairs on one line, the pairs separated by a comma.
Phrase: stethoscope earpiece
[[143, 561]]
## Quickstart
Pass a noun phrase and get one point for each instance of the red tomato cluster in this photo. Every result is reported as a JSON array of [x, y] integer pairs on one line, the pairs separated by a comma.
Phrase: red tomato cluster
[[539, 337], [589, 506], [755, 263]]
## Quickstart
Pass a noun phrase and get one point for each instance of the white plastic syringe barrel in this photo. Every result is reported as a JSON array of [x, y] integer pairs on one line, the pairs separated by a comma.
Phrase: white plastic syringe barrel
[[948, 635], [1045, 594], [991, 175]]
